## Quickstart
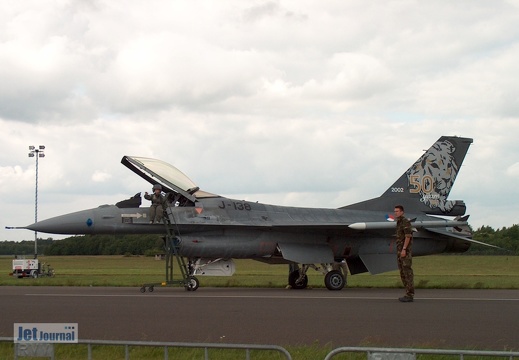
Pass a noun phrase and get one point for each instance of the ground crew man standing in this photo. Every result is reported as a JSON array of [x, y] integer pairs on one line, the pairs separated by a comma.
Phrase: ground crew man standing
[[157, 203], [404, 242]]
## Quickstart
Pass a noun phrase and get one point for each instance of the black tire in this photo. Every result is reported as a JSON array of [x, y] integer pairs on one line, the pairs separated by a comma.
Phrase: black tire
[[192, 283], [143, 289], [334, 280], [292, 281]]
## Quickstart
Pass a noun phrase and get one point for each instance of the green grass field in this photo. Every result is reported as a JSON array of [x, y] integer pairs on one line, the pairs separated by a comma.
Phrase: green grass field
[[441, 271], [72, 352]]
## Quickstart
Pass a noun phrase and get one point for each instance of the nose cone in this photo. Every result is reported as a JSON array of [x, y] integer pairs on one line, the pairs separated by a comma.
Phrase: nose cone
[[81, 222]]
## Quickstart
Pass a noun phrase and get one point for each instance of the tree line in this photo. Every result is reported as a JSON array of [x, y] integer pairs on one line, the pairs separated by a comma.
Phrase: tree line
[[505, 238], [88, 245]]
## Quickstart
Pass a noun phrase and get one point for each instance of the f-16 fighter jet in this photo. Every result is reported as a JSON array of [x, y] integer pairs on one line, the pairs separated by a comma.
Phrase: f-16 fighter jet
[[210, 230]]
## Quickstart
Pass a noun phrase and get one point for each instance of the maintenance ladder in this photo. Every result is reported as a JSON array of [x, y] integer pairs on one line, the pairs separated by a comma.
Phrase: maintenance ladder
[[172, 243]]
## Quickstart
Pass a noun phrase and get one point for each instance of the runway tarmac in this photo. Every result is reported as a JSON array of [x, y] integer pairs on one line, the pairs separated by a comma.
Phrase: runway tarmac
[[455, 319]]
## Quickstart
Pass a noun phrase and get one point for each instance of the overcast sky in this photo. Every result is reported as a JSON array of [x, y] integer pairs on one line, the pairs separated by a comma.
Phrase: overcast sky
[[300, 103]]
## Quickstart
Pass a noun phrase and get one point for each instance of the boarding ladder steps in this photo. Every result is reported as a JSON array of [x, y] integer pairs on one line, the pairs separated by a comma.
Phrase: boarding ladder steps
[[172, 243]]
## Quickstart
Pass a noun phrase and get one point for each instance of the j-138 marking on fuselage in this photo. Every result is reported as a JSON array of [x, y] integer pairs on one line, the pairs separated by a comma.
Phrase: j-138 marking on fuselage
[[211, 230]]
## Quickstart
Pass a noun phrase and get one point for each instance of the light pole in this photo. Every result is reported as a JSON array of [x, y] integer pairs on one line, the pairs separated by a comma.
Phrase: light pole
[[36, 153]]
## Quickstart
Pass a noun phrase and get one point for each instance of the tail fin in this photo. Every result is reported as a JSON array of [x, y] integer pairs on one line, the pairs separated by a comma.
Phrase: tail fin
[[425, 186]]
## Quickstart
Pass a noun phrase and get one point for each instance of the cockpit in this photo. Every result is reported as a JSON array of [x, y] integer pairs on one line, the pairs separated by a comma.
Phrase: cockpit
[[180, 189]]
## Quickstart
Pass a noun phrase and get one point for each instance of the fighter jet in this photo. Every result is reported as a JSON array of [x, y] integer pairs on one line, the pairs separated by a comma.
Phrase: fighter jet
[[210, 230]]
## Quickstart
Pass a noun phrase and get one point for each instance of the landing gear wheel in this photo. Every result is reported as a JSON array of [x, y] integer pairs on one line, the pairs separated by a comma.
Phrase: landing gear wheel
[[192, 283], [292, 281], [334, 280]]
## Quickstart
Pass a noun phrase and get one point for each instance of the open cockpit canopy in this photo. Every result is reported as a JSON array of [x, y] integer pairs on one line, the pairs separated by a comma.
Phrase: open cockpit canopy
[[169, 177]]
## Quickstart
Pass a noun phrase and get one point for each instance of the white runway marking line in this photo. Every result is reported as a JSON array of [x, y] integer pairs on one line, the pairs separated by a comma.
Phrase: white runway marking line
[[157, 296]]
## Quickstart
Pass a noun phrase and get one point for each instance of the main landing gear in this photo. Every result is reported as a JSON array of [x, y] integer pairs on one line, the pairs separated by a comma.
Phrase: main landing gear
[[333, 279]]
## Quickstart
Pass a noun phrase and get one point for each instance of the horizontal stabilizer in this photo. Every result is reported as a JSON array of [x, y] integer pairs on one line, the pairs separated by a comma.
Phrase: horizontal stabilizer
[[450, 234]]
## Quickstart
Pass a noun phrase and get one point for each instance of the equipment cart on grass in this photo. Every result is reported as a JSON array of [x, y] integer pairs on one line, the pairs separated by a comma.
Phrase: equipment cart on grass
[[31, 268]]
